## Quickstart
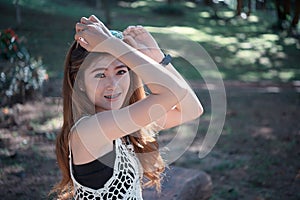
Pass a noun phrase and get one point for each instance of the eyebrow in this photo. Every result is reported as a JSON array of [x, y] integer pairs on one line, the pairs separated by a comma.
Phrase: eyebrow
[[104, 68]]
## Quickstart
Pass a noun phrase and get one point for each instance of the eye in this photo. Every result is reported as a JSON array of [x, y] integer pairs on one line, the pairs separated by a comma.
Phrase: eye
[[121, 72], [100, 75]]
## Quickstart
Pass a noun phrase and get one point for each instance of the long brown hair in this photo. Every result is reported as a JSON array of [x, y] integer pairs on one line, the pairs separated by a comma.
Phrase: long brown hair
[[145, 145]]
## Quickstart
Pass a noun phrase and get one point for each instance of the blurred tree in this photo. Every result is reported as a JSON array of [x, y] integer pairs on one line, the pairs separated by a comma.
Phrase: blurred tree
[[18, 12], [239, 7], [21, 76], [170, 2], [284, 16], [107, 11], [295, 20], [169, 7], [105, 6]]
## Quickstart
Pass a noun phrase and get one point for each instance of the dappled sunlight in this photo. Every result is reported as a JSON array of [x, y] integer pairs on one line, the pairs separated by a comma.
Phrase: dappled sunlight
[[204, 14], [138, 4], [232, 48], [287, 75], [192, 33], [51, 124], [227, 14], [265, 61], [247, 56], [220, 39], [252, 57], [246, 45], [190, 4], [289, 41], [270, 89], [280, 55], [270, 37], [264, 132], [253, 18]]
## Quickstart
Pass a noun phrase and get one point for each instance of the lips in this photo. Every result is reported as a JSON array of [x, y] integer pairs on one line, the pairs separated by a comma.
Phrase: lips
[[112, 96]]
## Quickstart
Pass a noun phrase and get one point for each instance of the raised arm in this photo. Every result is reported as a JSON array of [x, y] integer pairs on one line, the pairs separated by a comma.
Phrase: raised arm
[[189, 107]]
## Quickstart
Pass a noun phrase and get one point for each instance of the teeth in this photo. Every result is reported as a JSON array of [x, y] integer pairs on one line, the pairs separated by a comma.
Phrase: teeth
[[112, 96]]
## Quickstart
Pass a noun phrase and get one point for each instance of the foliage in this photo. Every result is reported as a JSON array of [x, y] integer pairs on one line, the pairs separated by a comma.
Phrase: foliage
[[169, 9], [21, 77]]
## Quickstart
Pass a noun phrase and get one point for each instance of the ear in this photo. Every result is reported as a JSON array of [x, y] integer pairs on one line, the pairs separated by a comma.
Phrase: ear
[[81, 85]]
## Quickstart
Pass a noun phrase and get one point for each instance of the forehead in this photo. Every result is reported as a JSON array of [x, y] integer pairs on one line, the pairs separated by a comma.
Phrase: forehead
[[106, 61]]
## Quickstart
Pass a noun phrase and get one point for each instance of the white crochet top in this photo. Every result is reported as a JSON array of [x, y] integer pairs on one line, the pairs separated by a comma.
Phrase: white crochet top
[[125, 182]]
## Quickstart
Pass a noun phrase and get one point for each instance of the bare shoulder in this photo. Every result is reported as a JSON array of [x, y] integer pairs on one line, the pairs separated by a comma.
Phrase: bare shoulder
[[85, 145]]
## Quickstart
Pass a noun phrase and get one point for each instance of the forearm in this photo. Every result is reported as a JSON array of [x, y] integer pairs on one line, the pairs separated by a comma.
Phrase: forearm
[[190, 104], [158, 79]]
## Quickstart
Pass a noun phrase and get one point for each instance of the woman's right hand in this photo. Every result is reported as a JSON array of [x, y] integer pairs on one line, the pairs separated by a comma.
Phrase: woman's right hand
[[90, 32]]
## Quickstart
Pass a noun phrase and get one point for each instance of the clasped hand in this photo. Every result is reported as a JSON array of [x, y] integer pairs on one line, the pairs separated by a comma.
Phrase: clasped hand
[[90, 32]]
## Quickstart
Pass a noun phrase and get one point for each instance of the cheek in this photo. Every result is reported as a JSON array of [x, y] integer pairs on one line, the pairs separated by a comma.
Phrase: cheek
[[125, 82], [93, 89]]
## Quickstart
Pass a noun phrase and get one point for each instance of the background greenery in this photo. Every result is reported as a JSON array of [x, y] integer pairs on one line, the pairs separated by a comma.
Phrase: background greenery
[[246, 50]]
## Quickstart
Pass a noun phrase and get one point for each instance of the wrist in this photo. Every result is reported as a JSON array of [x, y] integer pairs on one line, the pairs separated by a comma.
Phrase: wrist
[[158, 57], [166, 60], [111, 45]]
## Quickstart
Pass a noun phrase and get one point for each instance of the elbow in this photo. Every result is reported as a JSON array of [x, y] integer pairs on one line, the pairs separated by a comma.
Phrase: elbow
[[199, 111]]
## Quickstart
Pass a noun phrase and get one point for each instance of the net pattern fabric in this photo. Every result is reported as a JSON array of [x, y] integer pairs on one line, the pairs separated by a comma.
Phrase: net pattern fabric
[[125, 182]]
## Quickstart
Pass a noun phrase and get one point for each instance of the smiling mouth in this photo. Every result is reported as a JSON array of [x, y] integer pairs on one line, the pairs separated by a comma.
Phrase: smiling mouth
[[114, 96]]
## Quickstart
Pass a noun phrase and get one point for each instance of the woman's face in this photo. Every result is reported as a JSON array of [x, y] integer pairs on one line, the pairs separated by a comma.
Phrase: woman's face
[[106, 83]]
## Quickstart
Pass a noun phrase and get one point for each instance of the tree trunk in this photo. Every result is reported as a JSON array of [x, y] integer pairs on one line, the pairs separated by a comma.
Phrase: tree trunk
[[18, 13], [107, 11], [98, 4], [296, 14], [207, 2], [170, 2], [249, 8], [283, 9], [239, 7]]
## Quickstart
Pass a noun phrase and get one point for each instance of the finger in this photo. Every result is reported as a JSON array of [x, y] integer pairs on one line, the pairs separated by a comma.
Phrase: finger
[[129, 40], [93, 18], [80, 27], [126, 30], [83, 44], [85, 20], [80, 37], [130, 28]]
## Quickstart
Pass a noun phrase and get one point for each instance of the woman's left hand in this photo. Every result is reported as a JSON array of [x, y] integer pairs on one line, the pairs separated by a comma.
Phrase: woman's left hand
[[90, 32]]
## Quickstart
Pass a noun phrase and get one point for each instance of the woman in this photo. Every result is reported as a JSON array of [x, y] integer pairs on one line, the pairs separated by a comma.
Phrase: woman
[[106, 143]]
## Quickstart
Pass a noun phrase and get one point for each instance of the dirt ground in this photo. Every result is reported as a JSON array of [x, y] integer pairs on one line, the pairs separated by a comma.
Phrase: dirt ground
[[256, 157]]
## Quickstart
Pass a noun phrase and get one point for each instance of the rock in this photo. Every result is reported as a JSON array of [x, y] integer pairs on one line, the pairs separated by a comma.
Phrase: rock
[[182, 184]]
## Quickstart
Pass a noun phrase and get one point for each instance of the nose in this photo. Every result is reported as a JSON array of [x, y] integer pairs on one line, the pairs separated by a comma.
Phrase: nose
[[111, 84]]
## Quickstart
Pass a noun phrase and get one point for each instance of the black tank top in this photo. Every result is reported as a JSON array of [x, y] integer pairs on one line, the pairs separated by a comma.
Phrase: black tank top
[[96, 173]]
